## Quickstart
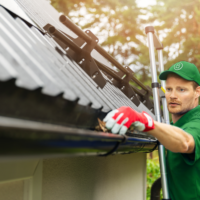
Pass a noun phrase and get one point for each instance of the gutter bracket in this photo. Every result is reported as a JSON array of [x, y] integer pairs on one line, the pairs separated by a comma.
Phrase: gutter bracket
[[147, 101], [126, 88], [114, 149]]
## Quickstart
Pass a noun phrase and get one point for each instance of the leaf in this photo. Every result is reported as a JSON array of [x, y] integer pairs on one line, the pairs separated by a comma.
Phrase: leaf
[[102, 125]]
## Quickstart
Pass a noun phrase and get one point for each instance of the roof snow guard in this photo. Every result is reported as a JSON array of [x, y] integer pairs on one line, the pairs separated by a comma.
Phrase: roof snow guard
[[49, 101]]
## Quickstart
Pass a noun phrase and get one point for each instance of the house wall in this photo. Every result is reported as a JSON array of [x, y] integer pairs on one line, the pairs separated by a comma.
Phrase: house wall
[[12, 190], [81, 178]]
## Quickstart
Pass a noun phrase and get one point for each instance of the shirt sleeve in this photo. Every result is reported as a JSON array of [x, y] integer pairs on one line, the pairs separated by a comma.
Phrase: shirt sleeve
[[190, 159]]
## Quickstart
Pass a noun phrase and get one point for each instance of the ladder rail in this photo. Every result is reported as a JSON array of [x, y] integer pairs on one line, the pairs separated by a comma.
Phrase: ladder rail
[[153, 41]]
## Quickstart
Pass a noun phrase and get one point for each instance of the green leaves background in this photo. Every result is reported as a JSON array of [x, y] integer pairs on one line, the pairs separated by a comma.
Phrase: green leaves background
[[120, 26]]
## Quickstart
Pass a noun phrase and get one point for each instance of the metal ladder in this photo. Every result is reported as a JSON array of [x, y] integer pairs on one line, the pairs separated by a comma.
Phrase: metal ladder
[[153, 41]]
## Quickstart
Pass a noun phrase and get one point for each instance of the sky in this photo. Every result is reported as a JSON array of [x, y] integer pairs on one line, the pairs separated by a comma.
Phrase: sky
[[12, 5], [145, 3]]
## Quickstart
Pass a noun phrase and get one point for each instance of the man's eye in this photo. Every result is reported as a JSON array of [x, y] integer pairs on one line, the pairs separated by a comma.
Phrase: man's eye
[[168, 89], [182, 90]]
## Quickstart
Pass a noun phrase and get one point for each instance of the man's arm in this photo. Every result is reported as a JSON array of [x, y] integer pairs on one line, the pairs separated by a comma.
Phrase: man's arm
[[173, 138]]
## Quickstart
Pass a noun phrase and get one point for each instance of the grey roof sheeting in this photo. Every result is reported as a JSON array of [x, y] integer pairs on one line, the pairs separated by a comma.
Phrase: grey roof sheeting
[[49, 15], [36, 62], [56, 74], [43, 72], [15, 8]]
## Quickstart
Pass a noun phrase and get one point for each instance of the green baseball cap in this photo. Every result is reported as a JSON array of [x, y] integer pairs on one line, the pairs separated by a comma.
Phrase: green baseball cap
[[185, 70]]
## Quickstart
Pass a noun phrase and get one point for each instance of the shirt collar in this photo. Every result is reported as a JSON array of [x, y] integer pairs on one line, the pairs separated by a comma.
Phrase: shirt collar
[[187, 116]]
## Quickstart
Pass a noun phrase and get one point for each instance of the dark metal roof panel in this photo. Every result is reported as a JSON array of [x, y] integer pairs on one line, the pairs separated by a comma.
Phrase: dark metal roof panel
[[6, 69], [81, 75], [26, 77], [55, 82], [55, 88], [57, 74], [35, 10], [73, 71], [43, 13]]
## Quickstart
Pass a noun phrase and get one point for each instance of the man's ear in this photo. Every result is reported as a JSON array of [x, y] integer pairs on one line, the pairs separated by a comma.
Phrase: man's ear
[[198, 91]]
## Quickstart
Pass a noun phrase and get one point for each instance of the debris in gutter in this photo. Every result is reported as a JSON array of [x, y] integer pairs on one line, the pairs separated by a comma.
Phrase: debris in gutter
[[102, 127]]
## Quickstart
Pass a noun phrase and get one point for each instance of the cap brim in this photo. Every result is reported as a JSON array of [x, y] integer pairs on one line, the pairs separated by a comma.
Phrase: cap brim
[[163, 75]]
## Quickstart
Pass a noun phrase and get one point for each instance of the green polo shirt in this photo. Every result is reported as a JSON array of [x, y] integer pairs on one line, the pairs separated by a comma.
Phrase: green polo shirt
[[184, 169]]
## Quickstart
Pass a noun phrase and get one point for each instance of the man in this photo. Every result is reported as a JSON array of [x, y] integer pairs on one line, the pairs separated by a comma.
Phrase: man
[[181, 138]]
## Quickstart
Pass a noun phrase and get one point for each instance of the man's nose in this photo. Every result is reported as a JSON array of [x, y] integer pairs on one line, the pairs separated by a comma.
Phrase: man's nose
[[173, 94]]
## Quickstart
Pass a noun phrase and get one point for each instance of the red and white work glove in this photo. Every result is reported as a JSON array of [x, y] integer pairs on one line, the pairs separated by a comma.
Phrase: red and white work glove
[[121, 119]]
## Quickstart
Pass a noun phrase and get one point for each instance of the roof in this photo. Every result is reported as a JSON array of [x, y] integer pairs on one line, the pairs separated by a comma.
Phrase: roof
[[40, 82]]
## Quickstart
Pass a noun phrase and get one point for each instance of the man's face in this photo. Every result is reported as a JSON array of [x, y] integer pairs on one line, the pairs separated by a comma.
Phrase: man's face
[[180, 95]]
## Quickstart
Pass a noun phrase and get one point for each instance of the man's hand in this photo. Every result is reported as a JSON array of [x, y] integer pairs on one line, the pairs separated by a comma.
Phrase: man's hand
[[120, 120]]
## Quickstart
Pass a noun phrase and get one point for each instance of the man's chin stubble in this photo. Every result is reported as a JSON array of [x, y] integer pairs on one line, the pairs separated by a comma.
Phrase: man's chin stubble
[[182, 112]]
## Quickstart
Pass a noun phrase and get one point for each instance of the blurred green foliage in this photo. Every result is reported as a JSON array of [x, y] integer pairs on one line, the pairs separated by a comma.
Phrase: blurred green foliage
[[153, 173], [179, 21], [121, 25], [118, 22]]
